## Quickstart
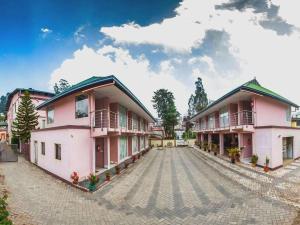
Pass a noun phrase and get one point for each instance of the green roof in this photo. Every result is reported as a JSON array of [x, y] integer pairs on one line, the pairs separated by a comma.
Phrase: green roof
[[93, 82], [255, 87]]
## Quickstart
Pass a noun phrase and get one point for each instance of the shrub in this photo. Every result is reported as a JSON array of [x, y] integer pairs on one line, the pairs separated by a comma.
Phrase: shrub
[[254, 159], [3, 211], [93, 179]]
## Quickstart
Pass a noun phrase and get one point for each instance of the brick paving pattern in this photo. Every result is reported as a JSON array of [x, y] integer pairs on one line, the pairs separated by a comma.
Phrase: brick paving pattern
[[172, 186]]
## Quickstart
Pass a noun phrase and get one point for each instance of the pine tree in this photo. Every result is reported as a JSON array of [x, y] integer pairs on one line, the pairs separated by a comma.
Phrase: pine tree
[[61, 86], [199, 100], [26, 119]]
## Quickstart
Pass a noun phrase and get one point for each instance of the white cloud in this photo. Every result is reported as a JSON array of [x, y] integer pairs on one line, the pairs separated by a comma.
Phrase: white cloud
[[260, 52], [45, 32], [134, 73], [79, 36]]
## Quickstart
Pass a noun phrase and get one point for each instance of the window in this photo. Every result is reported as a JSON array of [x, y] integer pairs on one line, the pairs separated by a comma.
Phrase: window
[[122, 116], [134, 121], [224, 117], [81, 106], [288, 114], [123, 147], [211, 121], [43, 148], [58, 151], [50, 116], [135, 147], [43, 124]]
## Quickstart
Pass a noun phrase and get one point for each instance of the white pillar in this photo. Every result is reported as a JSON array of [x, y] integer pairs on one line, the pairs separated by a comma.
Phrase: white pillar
[[108, 152], [221, 140], [93, 158]]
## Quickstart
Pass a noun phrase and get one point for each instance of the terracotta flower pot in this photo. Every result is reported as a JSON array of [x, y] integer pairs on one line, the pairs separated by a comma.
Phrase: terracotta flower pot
[[266, 169], [232, 160]]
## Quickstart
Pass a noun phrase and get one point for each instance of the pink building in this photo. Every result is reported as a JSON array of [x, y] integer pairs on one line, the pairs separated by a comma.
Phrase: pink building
[[254, 119], [13, 102], [91, 127]]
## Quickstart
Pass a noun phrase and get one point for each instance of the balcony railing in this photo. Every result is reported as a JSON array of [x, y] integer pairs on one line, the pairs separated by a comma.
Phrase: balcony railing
[[100, 119], [242, 118], [236, 119]]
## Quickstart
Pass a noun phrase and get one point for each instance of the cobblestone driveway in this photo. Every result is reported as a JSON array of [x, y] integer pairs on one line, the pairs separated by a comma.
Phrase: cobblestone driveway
[[168, 187]]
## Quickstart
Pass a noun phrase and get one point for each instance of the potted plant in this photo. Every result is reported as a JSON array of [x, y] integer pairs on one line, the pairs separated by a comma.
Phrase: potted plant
[[237, 155], [126, 165], [107, 176], [232, 153], [266, 167], [139, 156], [209, 147], [215, 149], [254, 160], [118, 169], [93, 179], [75, 178], [133, 159]]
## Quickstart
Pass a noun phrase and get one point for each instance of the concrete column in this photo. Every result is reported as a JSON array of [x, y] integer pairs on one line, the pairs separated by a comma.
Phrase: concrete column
[[240, 140], [239, 114], [108, 152], [92, 108], [209, 138], [93, 158], [202, 137], [221, 144]]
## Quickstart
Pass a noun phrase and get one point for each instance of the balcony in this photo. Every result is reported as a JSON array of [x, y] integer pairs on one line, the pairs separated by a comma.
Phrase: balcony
[[105, 121], [243, 120]]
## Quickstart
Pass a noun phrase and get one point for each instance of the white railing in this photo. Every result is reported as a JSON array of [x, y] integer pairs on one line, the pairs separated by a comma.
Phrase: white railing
[[114, 120], [235, 119], [104, 118]]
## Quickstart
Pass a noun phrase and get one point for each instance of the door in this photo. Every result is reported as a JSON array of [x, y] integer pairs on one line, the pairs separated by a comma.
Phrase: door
[[287, 148], [247, 143], [35, 152], [99, 153]]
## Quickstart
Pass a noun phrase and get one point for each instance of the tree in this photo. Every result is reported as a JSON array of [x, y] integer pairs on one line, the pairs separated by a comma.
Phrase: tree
[[198, 101], [26, 119], [163, 102], [3, 100], [61, 86]]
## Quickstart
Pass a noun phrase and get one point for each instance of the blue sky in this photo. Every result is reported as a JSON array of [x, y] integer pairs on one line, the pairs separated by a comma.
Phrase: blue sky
[[152, 44], [28, 55]]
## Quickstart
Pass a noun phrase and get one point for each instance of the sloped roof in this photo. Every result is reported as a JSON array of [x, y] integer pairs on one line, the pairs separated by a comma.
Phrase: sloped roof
[[30, 90], [255, 87], [93, 82]]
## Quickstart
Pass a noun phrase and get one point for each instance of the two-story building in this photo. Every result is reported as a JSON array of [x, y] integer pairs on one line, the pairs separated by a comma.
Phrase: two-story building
[[92, 126], [253, 118], [14, 100]]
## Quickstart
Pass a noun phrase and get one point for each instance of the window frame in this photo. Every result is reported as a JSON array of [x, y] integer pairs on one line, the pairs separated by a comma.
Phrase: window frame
[[49, 110], [43, 148], [57, 153], [87, 101]]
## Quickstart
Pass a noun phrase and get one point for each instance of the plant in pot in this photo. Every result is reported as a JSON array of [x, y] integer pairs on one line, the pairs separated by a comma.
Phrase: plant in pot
[[118, 169], [254, 160], [232, 153], [107, 176], [215, 149], [237, 155], [133, 159], [209, 147], [139, 156], [93, 179], [75, 178], [126, 165], [266, 167]]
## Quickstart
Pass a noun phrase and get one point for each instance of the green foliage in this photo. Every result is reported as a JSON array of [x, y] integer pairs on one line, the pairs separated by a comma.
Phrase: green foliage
[[15, 140], [254, 159], [163, 102], [188, 135], [198, 101], [61, 86], [4, 220], [267, 160], [3, 100], [26, 119], [233, 152], [93, 179]]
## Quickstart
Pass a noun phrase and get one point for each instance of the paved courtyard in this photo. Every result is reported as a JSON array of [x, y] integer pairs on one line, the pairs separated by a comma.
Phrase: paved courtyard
[[172, 186]]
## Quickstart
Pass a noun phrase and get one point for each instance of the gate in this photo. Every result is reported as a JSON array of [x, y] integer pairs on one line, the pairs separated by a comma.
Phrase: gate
[[8, 153]]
